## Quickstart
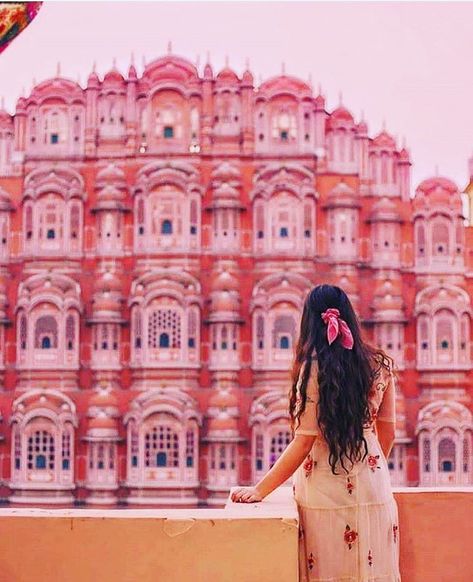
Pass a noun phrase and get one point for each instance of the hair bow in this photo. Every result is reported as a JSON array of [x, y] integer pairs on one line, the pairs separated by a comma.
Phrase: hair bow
[[336, 326]]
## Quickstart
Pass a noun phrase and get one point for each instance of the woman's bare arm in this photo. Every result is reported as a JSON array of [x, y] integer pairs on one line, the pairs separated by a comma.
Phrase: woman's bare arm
[[284, 467], [385, 430]]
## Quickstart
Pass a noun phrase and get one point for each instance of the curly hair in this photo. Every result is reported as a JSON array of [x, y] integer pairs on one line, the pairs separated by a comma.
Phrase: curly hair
[[344, 376]]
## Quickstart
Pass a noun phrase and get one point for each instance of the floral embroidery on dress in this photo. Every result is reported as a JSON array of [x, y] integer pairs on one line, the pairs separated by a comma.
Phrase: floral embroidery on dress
[[308, 465], [350, 486], [370, 558], [350, 536], [395, 528], [373, 462], [311, 560], [293, 489]]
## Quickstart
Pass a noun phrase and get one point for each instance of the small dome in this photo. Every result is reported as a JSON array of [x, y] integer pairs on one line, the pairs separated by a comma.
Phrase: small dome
[[225, 301], [223, 399], [108, 281], [103, 398], [362, 128], [385, 210], [228, 77], [384, 140], [342, 114], [103, 422], [110, 174], [225, 281], [113, 77], [223, 423], [5, 201], [437, 183]]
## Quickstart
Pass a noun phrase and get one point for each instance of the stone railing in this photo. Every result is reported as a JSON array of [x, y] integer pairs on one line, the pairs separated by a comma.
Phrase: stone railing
[[241, 543]]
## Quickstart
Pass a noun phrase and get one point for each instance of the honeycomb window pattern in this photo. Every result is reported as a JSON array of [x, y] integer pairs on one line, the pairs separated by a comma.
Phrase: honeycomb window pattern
[[161, 447], [167, 321], [41, 450]]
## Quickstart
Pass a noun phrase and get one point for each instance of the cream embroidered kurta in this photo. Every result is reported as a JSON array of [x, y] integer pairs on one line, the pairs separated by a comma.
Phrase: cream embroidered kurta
[[349, 529]]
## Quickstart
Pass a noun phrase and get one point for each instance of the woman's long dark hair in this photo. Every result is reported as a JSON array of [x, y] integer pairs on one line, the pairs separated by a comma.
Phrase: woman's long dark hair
[[344, 376]]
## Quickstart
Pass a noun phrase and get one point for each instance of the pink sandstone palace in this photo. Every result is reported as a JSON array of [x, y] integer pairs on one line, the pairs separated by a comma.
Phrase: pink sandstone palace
[[158, 235]]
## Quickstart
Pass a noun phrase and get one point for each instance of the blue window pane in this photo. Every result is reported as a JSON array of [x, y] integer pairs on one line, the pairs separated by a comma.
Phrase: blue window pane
[[191, 342], [161, 460], [134, 461], [284, 343], [189, 462], [284, 135], [51, 234], [168, 132], [166, 227], [65, 464], [283, 232], [164, 340], [45, 343], [40, 462], [259, 464], [54, 138]]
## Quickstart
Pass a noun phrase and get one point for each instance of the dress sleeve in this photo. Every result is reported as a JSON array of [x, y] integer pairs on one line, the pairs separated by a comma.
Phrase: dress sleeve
[[387, 408], [308, 419]]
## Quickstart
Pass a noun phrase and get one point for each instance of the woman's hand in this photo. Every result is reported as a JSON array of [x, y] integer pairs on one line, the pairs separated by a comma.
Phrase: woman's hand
[[246, 495]]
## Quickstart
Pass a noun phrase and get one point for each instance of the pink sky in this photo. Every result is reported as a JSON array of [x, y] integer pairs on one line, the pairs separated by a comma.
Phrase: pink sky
[[409, 63]]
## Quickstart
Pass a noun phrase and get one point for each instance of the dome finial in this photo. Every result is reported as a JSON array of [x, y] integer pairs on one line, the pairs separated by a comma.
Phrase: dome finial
[[94, 67], [169, 47], [58, 69], [247, 64], [227, 62], [132, 58], [384, 124], [340, 99], [208, 57], [114, 63], [437, 170], [283, 68]]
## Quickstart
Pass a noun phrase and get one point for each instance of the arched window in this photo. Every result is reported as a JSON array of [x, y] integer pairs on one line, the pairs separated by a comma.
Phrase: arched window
[[283, 331], [440, 239], [260, 332], [161, 447], [46, 332], [190, 448], [446, 455], [70, 332], [426, 455]]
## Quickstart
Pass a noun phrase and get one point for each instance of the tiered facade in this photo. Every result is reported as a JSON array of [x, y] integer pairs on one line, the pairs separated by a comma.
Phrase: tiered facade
[[158, 235]]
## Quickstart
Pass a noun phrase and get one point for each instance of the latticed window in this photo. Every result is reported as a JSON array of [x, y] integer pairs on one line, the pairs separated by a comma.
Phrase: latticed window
[[29, 222], [164, 322], [466, 455], [446, 455], [66, 450], [137, 321], [224, 343], [17, 452], [233, 457], [283, 331], [70, 332], [307, 220], [161, 447], [23, 332], [212, 457], [75, 221], [115, 337], [222, 457], [426, 455], [192, 337], [46, 334], [440, 239], [278, 443], [101, 457], [134, 445], [260, 332], [259, 210], [193, 217], [111, 459], [104, 338], [41, 450], [284, 126], [141, 216], [259, 452], [190, 448]]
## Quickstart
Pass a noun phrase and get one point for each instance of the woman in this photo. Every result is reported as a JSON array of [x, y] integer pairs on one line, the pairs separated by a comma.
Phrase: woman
[[342, 409]]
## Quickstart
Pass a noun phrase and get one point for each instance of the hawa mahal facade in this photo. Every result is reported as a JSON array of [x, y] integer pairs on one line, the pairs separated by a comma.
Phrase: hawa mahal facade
[[158, 235]]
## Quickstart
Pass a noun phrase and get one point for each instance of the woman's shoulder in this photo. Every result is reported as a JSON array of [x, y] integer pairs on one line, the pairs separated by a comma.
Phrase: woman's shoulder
[[381, 363]]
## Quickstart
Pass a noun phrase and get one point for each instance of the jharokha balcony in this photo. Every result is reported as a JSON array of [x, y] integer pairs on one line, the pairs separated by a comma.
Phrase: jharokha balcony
[[241, 543]]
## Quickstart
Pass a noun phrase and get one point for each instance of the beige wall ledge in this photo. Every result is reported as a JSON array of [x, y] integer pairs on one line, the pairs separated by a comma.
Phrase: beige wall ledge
[[238, 543]]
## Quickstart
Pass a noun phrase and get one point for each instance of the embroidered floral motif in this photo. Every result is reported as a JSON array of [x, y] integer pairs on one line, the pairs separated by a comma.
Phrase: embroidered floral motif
[[373, 462], [311, 560], [350, 486], [293, 489], [350, 536], [308, 465], [381, 386], [370, 558], [395, 528]]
